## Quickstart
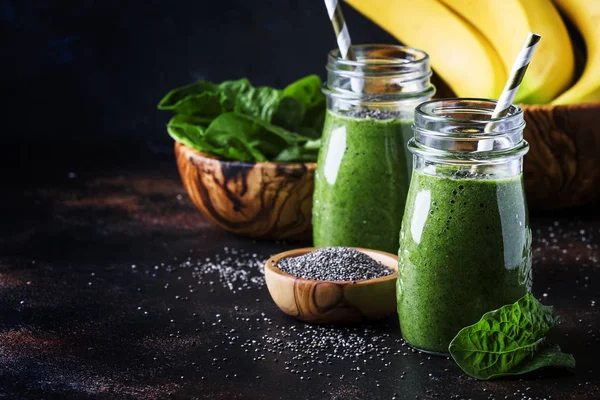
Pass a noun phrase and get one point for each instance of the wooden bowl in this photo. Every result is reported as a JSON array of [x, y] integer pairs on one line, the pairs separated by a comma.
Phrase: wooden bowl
[[259, 200], [333, 302], [562, 168]]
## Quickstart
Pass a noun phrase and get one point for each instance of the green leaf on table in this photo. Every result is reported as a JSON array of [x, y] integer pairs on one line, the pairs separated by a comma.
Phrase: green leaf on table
[[507, 340], [547, 356]]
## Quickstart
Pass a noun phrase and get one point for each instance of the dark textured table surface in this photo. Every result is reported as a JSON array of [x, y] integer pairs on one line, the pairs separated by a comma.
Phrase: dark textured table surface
[[113, 286]]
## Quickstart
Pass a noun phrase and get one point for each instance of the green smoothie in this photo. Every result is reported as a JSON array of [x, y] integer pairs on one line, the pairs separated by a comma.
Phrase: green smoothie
[[465, 250], [362, 180]]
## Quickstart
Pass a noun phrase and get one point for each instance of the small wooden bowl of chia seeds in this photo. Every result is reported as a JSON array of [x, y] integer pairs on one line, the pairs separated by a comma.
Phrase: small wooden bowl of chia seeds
[[333, 285]]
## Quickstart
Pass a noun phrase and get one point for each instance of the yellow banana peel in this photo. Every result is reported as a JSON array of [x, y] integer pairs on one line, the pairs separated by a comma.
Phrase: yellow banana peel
[[506, 24], [461, 55], [585, 15]]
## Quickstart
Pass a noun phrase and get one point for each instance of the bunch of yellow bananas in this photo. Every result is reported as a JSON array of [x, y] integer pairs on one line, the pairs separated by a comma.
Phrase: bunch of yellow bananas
[[473, 43]]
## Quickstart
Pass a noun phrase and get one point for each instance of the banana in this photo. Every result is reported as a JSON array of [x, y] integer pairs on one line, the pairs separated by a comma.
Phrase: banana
[[463, 58], [506, 23], [585, 15]]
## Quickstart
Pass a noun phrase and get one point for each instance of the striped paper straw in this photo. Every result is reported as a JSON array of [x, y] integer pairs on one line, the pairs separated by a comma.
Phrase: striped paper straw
[[516, 75], [341, 29], [512, 86]]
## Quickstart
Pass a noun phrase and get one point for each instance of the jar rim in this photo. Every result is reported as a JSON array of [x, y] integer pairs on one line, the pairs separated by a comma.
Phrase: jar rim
[[381, 73], [426, 110], [462, 129], [420, 57]]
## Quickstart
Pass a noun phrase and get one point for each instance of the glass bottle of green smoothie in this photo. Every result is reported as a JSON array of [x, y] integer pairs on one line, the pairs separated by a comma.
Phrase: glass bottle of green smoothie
[[363, 168], [465, 243]]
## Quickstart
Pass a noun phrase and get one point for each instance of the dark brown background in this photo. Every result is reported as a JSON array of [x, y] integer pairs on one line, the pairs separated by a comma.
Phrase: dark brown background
[[90, 187]]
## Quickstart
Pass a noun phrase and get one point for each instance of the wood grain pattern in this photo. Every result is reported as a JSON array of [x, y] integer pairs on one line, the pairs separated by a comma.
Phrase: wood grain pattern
[[562, 168], [260, 200], [333, 302], [274, 201]]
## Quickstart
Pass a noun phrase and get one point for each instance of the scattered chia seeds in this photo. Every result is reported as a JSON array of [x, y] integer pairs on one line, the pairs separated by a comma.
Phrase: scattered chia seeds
[[242, 330], [334, 264], [374, 114], [233, 269]]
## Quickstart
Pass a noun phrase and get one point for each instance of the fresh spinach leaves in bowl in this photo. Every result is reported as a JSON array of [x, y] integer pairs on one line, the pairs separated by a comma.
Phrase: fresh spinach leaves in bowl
[[237, 121]]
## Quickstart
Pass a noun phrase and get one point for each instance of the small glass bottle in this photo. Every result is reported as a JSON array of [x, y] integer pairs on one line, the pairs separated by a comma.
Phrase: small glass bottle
[[363, 168], [465, 243]]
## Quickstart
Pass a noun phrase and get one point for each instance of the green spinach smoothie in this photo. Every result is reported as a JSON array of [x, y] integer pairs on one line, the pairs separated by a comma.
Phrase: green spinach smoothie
[[362, 180], [465, 250]]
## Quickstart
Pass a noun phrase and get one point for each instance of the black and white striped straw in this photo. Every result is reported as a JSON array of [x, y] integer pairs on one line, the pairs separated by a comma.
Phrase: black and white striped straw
[[341, 29], [516, 75]]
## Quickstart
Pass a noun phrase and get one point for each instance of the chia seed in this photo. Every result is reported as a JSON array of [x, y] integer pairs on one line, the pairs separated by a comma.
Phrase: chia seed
[[265, 340], [374, 114], [334, 264], [236, 270]]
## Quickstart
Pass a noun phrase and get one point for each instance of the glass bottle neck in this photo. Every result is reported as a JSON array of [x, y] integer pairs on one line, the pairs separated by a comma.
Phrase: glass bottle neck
[[382, 76], [459, 136]]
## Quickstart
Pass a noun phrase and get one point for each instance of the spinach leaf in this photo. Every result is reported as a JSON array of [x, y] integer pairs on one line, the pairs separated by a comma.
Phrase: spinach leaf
[[508, 341], [307, 91], [232, 130], [302, 106], [233, 147], [200, 99], [175, 96], [312, 145], [306, 152], [231, 90], [548, 356], [227, 147], [242, 97], [238, 121], [272, 132], [289, 113], [189, 134]]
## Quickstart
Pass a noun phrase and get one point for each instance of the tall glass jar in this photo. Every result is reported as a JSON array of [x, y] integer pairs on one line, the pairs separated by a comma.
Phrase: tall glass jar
[[362, 172], [465, 243]]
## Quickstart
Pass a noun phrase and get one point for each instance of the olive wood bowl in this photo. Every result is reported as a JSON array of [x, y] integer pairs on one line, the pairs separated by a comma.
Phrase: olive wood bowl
[[273, 200], [260, 200], [333, 302]]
